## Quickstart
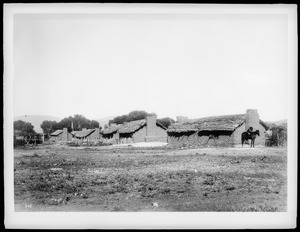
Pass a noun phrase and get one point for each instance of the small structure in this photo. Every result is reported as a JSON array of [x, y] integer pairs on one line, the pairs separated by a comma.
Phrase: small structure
[[61, 136], [86, 135], [216, 131], [110, 134], [145, 130]]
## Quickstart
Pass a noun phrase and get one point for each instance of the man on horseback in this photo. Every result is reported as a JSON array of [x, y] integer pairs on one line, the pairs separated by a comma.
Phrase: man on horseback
[[250, 130], [249, 134]]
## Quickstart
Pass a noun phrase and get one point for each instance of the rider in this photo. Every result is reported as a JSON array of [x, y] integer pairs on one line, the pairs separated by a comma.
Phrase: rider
[[250, 130]]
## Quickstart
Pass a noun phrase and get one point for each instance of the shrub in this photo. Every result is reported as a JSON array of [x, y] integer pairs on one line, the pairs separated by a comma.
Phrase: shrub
[[278, 136]]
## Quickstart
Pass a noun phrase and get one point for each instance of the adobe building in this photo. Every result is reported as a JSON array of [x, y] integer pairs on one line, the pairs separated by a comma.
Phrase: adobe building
[[86, 135], [61, 136], [110, 134], [223, 131], [145, 130]]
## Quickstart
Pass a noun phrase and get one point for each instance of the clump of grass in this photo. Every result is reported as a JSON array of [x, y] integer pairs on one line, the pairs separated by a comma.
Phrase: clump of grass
[[22, 162], [208, 182], [35, 155], [260, 208], [230, 188]]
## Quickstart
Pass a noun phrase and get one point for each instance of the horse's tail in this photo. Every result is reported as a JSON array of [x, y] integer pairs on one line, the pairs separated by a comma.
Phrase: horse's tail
[[242, 138]]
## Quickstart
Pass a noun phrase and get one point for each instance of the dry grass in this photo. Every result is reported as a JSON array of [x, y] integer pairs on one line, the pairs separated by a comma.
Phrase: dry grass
[[133, 179]]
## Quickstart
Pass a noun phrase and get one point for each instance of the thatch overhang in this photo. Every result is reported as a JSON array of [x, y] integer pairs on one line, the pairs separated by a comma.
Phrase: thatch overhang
[[83, 133], [160, 125], [264, 124], [111, 129], [215, 123], [130, 127], [57, 132]]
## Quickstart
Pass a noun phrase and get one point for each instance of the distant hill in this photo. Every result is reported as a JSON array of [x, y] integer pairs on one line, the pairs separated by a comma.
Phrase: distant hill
[[103, 121], [36, 120]]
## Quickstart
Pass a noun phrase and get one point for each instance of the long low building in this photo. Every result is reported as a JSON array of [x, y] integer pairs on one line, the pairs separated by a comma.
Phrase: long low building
[[61, 135], [216, 131], [90, 135], [145, 130], [86, 135]]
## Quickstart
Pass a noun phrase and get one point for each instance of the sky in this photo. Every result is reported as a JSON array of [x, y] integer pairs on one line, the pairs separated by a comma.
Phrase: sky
[[193, 65]]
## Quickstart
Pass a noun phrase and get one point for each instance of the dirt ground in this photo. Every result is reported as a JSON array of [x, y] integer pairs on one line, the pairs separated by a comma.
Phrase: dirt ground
[[57, 178]]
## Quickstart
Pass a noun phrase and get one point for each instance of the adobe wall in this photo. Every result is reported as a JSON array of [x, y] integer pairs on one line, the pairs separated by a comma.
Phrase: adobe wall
[[95, 135], [237, 134], [53, 138], [158, 135], [111, 138], [65, 136], [195, 140], [261, 139], [219, 141], [57, 138], [183, 139], [140, 135]]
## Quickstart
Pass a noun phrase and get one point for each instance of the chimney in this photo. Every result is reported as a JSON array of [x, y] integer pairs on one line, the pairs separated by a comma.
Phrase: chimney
[[65, 134], [181, 118], [97, 133], [252, 119], [151, 125]]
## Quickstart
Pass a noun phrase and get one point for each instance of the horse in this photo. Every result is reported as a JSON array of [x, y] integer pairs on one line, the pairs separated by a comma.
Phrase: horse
[[247, 136]]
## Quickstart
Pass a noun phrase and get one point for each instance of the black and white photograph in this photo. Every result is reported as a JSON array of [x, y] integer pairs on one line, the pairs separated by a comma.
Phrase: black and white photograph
[[150, 115]]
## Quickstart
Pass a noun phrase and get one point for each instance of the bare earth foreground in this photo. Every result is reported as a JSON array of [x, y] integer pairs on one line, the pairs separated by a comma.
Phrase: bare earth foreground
[[53, 178]]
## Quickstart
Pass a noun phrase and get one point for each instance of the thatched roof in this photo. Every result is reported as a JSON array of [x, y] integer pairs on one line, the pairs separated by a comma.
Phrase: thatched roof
[[111, 129], [216, 123], [83, 133], [265, 125], [57, 132], [130, 127]]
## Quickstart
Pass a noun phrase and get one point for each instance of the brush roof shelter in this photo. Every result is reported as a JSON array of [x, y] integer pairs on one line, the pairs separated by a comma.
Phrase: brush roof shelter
[[83, 133], [224, 130], [87, 135], [61, 136], [144, 130]]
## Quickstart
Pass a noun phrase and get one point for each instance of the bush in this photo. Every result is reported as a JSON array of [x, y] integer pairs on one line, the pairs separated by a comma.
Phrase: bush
[[278, 136], [19, 143]]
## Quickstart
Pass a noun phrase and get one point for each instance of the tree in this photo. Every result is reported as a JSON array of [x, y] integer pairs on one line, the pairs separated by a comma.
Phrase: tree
[[49, 127], [66, 123], [137, 115], [78, 122], [132, 116], [95, 124], [166, 122], [24, 129]]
